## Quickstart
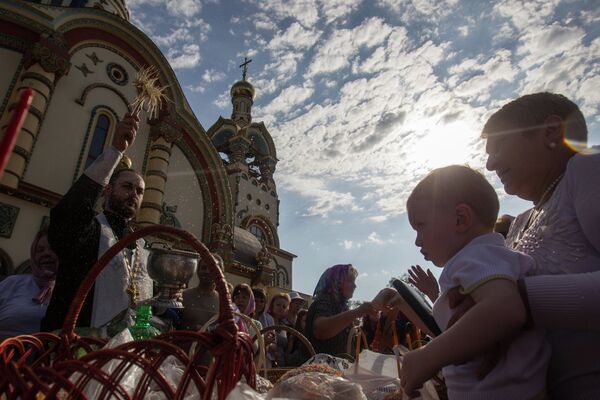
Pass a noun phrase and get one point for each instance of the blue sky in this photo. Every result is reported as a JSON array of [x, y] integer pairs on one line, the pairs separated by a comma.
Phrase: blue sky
[[363, 98]]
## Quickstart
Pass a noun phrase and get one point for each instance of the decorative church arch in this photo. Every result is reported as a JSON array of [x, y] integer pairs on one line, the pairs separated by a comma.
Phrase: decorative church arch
[[89, 88], [270, 231]]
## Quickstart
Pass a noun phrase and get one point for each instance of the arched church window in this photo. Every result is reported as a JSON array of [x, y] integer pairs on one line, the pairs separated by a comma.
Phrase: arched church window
[[99, 137], [258, 232]]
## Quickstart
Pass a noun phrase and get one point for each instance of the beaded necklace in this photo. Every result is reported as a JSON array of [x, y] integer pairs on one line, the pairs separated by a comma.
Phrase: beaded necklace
[[536, 210], [548, 191]]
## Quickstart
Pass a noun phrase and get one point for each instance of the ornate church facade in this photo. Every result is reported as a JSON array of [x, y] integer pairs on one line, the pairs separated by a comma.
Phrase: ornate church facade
[[80, 57]]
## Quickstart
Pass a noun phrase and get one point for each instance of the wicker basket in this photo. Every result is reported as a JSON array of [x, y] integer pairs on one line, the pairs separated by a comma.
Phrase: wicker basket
[[45, 365], [273, 374]]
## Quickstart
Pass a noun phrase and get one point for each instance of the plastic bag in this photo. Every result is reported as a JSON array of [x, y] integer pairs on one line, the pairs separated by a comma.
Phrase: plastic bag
[[242, 391], [316, 386], [378, 376]]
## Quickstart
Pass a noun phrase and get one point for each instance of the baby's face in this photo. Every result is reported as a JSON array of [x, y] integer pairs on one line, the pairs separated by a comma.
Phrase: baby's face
[[436, 230]]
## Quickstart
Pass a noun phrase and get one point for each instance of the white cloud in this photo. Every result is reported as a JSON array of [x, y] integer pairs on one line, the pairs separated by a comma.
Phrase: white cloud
[[304, 11], [541, 44], [223, 101], [187, 8], [324, 201], [349, 244], [289, 98], [295, 37], [335, 53], [264, 22], [432, 10], [196, 88], [185, 57], [180, 8], [177, 35], [474, 79], [337, 9], [376, 239], [378, 218], [526, 13], [211, 75]]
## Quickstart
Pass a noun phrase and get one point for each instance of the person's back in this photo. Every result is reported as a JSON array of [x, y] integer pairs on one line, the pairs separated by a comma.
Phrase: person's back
[[453, 211]]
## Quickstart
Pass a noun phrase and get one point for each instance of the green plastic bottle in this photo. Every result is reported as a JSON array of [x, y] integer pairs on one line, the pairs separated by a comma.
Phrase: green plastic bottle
[[142, 328]]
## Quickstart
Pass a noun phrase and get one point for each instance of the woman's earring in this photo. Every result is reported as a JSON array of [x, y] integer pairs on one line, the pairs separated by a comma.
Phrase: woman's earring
[[552, 145]]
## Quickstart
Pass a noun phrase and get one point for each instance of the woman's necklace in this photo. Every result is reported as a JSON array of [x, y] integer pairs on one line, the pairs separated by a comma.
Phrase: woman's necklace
[[548, 192], [536, 210]]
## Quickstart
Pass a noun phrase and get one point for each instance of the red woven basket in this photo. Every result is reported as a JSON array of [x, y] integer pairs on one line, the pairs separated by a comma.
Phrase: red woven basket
[[45, 365]]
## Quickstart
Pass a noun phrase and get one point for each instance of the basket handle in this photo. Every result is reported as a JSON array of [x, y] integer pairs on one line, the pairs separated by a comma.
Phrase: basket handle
[[225, 310]]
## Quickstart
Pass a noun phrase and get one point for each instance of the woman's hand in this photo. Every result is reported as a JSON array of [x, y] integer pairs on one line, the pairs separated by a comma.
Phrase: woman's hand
[[424, 281], [367, 308], [386, 299]]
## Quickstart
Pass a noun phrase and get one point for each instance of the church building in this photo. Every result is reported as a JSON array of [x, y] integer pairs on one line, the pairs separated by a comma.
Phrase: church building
[[81, 57]]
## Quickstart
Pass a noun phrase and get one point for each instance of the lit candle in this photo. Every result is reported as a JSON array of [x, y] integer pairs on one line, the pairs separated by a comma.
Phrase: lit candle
[[14, 127]]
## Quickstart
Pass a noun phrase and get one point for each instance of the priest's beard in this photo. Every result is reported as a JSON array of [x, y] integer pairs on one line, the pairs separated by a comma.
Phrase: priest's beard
[[119, 206]]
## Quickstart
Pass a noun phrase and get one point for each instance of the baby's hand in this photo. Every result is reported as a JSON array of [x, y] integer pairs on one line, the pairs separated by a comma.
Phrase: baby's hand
[[416, 370]]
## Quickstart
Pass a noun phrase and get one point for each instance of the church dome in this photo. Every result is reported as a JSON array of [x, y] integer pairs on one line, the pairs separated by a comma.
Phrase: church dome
[[117, 7], [243, 88]]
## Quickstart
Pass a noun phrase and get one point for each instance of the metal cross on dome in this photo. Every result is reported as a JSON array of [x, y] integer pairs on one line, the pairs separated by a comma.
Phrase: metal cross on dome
[[244, 65]]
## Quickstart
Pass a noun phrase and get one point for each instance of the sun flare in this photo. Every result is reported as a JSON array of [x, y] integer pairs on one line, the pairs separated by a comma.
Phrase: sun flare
[[443, 145]]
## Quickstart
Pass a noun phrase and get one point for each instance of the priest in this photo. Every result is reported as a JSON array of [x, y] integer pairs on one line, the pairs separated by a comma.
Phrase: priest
[[79, 236]]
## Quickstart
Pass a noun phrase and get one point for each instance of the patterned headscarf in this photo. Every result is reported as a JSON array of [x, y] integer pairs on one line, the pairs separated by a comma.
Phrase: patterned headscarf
[[331, 282], [43, 277]]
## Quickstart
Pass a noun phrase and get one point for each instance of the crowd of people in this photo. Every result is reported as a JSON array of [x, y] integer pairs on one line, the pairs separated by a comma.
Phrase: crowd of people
[[516, 301]]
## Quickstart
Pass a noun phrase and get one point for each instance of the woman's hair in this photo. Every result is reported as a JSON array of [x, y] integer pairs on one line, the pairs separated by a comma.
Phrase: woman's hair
[[284, 296], [456, 184], [530, 111], [298, 324]]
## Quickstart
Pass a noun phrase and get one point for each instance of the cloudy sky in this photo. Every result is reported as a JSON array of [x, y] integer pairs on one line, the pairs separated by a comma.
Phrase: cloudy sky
[[363, 98]]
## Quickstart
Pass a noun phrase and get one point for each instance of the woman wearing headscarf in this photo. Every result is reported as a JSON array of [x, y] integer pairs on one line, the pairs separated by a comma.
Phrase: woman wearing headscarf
[[24, 298], [243, 298], [329, 321]]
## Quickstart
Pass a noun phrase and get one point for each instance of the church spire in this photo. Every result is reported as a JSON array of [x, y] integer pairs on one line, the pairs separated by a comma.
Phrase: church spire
[[242, 98]]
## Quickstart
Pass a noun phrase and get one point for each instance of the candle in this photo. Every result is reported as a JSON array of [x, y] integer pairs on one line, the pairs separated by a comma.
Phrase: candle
[[14, 127], [358, 338], [395, 338]]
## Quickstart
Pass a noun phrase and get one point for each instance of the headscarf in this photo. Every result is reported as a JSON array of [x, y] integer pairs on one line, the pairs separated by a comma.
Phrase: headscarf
[[331, 282], [284, 296], [40, 275], [242, 287]]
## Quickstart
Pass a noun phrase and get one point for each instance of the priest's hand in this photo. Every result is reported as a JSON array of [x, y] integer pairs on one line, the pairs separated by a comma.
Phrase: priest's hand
[[125, 132]]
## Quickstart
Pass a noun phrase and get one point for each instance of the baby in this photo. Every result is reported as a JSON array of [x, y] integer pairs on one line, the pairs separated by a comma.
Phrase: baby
[[453, 211]]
